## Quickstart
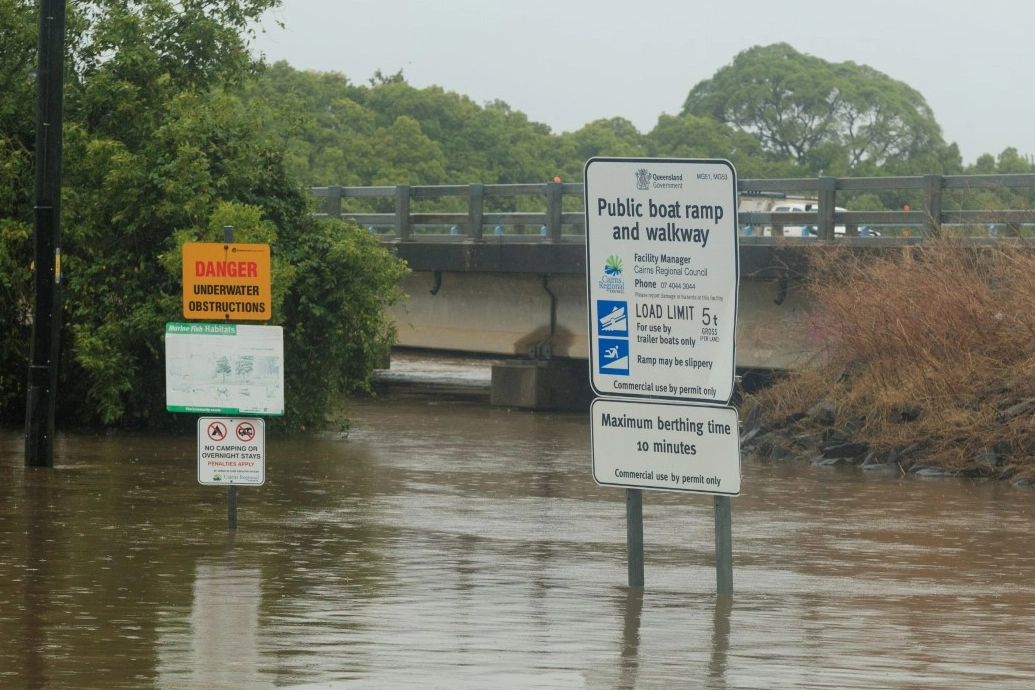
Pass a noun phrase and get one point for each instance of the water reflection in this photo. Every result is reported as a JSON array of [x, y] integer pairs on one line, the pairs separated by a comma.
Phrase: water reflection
[[221, 645], [631, 609], [35, 579], [720, 642], [452, 545]]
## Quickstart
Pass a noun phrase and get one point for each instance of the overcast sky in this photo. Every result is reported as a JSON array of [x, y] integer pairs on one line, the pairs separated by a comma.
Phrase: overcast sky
[[566, 63]]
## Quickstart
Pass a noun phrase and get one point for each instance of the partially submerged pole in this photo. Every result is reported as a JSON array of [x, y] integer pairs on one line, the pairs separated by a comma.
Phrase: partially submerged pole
[[634, 535], [723, 546], [46, 251], [231, 490]]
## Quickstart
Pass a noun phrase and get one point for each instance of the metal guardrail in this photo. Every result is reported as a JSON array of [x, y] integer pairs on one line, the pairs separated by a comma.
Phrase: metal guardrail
[[404, 224], [555, 224]]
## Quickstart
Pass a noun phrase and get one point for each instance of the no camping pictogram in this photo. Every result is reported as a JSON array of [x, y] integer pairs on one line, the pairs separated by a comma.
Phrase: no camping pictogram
[[217, 431], [245, 431]]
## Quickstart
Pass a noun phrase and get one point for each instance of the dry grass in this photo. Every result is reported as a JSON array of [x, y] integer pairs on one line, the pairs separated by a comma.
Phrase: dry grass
[[932, 346]]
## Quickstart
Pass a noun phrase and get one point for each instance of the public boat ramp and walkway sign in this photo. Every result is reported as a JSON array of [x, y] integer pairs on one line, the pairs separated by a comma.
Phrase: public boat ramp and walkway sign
[[662, 266]]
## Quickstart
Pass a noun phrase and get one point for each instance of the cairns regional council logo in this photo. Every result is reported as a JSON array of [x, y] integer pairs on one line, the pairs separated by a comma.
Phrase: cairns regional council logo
[[612, 280], [643, 179]]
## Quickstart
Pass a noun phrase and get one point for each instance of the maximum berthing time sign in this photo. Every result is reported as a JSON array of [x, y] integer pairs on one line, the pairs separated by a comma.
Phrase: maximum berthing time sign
[[663, 265]]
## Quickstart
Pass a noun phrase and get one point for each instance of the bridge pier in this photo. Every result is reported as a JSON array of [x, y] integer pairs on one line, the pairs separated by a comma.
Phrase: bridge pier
[[557, 385], [510, 314]]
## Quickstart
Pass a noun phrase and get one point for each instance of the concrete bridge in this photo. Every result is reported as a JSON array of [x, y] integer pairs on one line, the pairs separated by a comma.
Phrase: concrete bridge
[[537, 318], [530, 301], [497, 280]]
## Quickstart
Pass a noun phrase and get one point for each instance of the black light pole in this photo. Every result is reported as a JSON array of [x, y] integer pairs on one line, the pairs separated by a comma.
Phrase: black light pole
[[46, 249]]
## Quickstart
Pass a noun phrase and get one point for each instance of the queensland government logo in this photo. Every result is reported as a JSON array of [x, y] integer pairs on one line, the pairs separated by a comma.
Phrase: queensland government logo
[[612, 280], [643, 179]]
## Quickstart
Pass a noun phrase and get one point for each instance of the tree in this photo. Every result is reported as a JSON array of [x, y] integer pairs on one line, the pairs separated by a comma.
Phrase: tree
[[244, 365], [392, 133], [827, 117], [319, 121], [690, 136], [17, 143], [161, 149], [403, 154], [223, 367], [616, 137], [1008, 162], [345, 280], [17, 107]]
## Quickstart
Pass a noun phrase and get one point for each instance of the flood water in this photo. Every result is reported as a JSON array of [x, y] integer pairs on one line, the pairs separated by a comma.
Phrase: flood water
[[449, 544]]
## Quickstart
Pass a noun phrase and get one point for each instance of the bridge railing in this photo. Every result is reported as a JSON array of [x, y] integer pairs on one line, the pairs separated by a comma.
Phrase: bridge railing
[[558, 208], [558, 221]]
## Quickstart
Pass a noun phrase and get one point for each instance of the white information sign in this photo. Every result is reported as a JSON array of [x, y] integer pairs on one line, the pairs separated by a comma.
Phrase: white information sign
[[231, 451], [663, 264], [666, 446], [226, 369]]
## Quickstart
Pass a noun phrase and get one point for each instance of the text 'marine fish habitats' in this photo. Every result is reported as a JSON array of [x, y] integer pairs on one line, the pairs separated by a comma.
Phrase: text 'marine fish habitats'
[[663, 268]]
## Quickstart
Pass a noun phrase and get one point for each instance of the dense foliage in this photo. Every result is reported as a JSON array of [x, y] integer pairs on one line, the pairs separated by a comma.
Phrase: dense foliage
[[173, 130], [17, 142], [161, 149], [773, 112]]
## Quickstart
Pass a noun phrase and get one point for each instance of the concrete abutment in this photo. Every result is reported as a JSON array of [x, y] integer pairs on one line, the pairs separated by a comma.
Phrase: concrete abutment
[[538, 325]]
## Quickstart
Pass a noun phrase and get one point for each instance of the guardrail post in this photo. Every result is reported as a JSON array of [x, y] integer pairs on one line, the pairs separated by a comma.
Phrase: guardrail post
[[827, 188], [553, 210], [332, 203], [933, 203], [403, 226], [475, 211]]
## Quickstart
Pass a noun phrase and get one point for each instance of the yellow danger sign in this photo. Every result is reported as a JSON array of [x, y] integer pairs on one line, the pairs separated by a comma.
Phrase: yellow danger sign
[[224, 280]]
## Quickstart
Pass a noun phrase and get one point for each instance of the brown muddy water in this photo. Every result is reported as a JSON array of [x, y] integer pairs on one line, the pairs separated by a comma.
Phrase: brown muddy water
[[449, 544]]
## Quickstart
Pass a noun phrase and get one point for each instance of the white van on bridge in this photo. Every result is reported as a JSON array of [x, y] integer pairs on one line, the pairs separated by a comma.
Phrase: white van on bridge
[[769, 204]]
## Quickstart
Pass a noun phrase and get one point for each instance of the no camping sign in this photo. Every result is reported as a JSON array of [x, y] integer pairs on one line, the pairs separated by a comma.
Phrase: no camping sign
[[231, 450]]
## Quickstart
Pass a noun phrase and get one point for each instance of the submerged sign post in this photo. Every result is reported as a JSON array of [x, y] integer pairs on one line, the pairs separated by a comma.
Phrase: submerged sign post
[[226, 368], [663, 270]]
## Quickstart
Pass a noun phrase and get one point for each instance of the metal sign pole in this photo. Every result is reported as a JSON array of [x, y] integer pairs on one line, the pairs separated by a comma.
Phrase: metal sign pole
[[634, 535], [231, 490], [723, 546], [231, 507]]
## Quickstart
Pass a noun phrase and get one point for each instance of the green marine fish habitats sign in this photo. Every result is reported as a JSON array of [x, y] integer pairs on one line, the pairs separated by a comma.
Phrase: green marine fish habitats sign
[[224, 369]]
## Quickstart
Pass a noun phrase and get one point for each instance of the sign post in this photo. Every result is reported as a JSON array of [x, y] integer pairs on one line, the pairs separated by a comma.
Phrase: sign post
[[663, 271], [226, 368]]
